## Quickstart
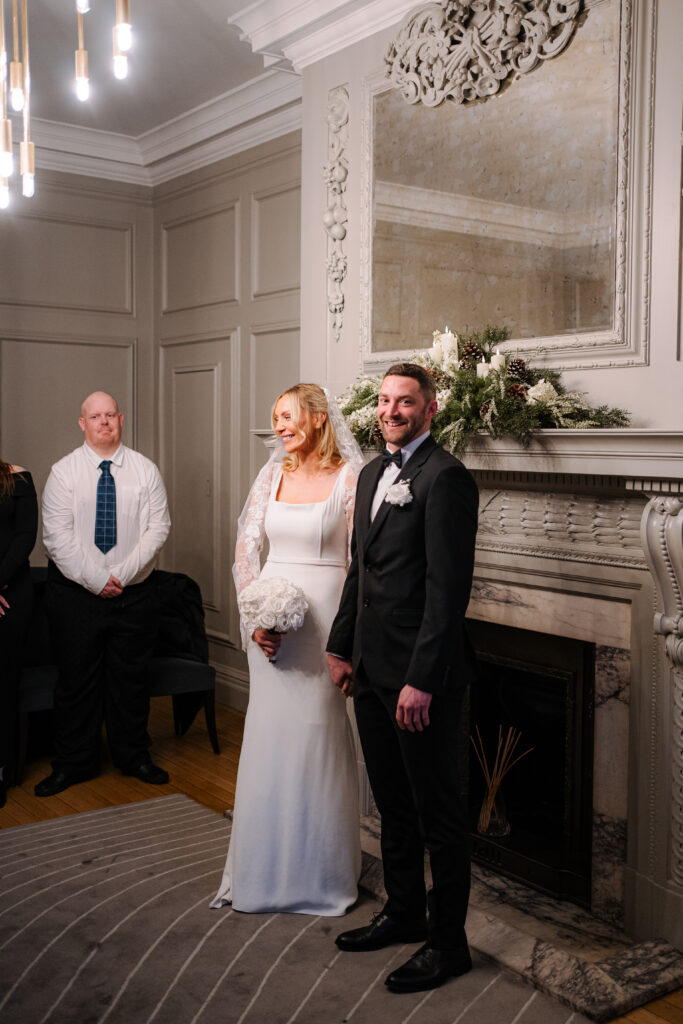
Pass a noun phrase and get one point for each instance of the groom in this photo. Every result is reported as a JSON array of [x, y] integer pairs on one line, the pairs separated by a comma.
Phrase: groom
[[398, 642]]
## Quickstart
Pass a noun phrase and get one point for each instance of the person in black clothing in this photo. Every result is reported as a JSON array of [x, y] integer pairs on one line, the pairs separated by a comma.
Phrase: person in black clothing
[[18, 527], [399, 644]]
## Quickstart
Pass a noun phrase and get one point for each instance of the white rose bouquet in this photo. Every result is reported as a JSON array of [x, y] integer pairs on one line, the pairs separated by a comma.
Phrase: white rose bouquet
[[273, 603]]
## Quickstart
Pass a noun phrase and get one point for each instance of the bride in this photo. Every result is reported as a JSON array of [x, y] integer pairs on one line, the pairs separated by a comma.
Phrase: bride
[[295, 842]]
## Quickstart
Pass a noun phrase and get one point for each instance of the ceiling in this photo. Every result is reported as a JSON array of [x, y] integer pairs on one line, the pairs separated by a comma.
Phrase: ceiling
[[184, 54], [199, 88]]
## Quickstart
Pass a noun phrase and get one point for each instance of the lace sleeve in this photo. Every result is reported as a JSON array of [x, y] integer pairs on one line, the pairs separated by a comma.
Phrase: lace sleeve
[[349, 499], [250, 535]]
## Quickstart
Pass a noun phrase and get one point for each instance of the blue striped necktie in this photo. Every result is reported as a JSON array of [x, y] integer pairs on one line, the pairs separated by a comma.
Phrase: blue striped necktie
[[105, 509]]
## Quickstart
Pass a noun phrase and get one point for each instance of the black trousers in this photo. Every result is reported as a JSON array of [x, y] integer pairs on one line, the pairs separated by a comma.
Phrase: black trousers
[[415, 785], [104, 646], [13, 630]]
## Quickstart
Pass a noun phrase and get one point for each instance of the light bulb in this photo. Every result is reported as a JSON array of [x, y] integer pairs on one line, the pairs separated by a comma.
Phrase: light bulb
[[124, 36], [16, 85], [27, 167], [120, 65], [6, 164], [82, 6], [82, 88], [4, 196]]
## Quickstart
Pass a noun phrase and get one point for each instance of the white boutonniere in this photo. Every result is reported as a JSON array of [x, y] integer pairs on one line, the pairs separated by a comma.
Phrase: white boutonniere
[[399, 493]]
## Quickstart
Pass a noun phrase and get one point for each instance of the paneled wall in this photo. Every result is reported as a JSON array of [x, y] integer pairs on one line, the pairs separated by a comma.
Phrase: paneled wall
[[227, 250], [75, 316], [183, 302]]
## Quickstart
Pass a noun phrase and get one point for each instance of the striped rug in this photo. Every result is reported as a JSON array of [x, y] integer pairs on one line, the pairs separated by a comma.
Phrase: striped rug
[[104, 917]]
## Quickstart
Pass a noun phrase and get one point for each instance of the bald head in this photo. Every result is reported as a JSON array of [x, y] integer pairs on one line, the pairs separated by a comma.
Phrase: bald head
[[96, 398], [101, 422]]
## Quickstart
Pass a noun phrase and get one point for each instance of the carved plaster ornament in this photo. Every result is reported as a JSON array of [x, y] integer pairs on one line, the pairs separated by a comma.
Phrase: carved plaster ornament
[[465, 50], [662, 533], [335, 217]]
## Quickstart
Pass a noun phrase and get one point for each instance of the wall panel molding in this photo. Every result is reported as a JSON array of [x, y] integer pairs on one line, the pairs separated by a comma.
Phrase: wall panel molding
[[275, 214], [202, 469], [30, 275], [170, 340], [209, 239]]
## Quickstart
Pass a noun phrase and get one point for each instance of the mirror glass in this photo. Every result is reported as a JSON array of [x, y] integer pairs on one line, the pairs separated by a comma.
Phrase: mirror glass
[[502, 211]]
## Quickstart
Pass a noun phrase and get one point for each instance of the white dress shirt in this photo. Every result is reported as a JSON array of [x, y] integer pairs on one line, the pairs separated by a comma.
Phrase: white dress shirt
[[391, 472], [69, 505]]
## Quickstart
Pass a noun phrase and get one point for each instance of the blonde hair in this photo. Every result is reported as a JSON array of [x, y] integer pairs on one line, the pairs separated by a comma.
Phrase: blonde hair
[[305, 401]]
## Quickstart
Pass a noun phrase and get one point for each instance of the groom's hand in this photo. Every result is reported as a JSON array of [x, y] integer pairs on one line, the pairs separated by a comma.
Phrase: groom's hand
[[341, 674], [412, 710]]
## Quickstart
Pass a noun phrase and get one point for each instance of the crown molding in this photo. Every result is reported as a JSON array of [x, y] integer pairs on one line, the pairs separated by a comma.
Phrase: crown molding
[[263, 109], [302, 33], [258, 98]]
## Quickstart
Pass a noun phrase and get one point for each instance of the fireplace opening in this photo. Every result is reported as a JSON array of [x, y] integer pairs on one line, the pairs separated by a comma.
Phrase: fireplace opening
[[543, 686]]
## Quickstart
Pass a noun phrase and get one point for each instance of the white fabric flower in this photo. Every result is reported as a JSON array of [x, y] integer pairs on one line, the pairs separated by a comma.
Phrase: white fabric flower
[[399, 493], [541, 392]]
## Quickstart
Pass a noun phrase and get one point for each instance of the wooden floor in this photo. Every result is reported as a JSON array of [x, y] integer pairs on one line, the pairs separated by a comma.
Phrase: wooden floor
[[210, 780], [193, 767]]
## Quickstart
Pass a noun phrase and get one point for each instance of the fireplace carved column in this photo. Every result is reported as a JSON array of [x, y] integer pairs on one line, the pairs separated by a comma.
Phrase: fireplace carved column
[[662, 537]]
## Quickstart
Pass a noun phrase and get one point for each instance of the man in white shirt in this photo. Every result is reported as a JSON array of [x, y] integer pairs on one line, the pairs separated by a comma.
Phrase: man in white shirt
[[105, 519]]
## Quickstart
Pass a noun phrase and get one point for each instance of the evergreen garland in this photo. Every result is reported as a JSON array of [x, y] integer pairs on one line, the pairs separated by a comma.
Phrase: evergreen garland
[[513, 404]]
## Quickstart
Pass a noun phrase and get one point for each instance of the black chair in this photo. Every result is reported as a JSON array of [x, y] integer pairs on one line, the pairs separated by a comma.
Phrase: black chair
[[178, 678], [179, 668]]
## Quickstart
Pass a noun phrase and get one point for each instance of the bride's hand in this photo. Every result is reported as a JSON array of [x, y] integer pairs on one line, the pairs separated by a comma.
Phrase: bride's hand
[[267, 641]]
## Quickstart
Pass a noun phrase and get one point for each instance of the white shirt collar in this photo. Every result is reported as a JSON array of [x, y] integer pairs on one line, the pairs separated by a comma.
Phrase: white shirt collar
[[408, 449], [116, 458]]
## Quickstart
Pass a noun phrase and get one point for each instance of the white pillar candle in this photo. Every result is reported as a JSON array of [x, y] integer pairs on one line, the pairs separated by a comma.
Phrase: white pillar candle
[[449, 345], [436, 351], [498, 361], [483, 368]]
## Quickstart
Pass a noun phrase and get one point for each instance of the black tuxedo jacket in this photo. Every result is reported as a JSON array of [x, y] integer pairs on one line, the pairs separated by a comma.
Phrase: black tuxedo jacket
[[402, 610]]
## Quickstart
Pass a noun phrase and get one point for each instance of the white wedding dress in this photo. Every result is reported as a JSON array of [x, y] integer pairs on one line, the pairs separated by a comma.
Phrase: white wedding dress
[[295, 843]]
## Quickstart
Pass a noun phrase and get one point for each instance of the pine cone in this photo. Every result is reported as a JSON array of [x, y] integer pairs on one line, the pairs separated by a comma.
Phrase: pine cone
[[517, 390], [484, 410], [471, 355], [376, 433], [517, 369]]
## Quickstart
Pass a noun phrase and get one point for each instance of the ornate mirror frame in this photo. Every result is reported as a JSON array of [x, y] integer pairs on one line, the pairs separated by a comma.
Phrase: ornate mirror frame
[[627, 343]]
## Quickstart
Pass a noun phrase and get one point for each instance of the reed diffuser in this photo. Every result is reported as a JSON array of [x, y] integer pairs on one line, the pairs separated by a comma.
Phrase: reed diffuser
[[492, 818]]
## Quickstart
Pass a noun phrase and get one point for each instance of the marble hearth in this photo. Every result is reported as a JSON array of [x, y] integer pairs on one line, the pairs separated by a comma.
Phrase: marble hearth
[[581, 536]]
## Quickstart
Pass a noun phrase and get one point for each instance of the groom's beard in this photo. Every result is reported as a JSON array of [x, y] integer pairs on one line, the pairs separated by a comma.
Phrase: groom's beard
[[403, 432]]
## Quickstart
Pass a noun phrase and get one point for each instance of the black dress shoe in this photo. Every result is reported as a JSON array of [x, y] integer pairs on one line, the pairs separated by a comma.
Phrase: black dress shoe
[[382, 931], [3, 793], [429, 968], [61, 780], [148, 772]]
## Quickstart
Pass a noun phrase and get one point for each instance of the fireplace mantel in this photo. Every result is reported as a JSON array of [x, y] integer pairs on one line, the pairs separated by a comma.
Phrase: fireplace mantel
[[649, 460]]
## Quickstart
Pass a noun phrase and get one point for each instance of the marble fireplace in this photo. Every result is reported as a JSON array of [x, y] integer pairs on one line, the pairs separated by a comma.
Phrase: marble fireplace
[[581, 536]]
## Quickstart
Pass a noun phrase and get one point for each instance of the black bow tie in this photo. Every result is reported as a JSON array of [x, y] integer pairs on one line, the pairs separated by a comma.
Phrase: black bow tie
[[389, 457]]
